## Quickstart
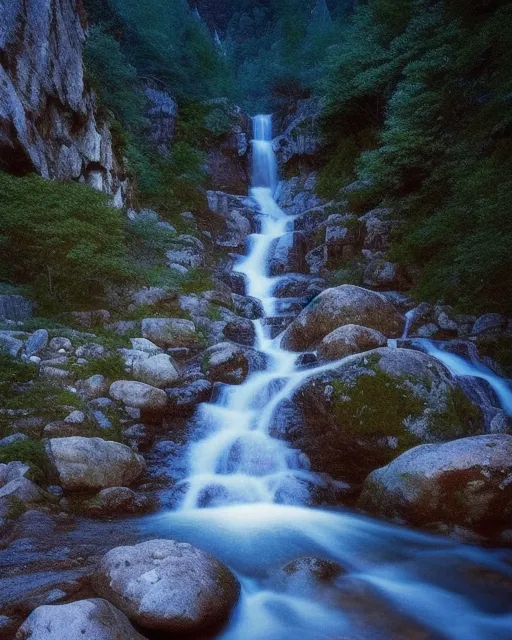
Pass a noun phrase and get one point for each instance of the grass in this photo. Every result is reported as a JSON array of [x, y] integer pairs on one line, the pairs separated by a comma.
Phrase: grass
[[32, 453], [111, 366]]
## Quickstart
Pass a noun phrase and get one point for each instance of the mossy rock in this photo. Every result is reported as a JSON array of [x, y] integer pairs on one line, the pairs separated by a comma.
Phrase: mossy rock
[[363, 413]]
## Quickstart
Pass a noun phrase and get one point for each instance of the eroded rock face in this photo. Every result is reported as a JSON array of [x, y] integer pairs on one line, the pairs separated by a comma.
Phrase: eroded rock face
[[93, 463], [362, 413], [94, 619], [167, 585], [288, 254], [47, 117], [466, 482], [339, 306]]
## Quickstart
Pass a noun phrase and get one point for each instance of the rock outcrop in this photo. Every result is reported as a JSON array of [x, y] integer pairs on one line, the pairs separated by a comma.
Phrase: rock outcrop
[[48, 121]]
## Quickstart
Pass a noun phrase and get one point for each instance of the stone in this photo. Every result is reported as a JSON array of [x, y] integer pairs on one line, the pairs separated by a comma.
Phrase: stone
[[427, 330], [58, 376], [247, 307], [90, 319], [168, 586], [115, 500], [382, 274], [91, 350], [138, 436], [242, 331], [488, 322], [92, 463], [142, 344], [14, 307], [56, 344], [339, 306], [94, 619], [12, 439], [377, 229], [316, 260], [465, 482], [157, 371], [361, 413], [150, 296], [170, 332], [138, 395], [37, 342], [297, 285], [75, 417], [94, 387], [446, 322], [230, 363], [10, 345], [350, 339], [124, 327], [287, 254], [184, 399]]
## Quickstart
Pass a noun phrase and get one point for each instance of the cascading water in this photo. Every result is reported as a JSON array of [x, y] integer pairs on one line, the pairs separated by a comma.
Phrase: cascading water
[[244, 503]]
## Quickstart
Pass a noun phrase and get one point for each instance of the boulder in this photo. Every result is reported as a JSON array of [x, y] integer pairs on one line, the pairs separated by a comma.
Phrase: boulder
[[350, 339], [489, 322], [142, 344], [94, 387], [138, 395], [295, 285], [56, 344], [170, 332], [184, 399], [339, 306], [242, 331], [14, 307], [10, 345], [94, 619], [92, 463], [287, 254], [231, 363], [363, 412], [377, 229], [342, 236], [247, 306], [168, 586], [157, 371], [115, 500], [465, 482], [37, 342], [382, 274]]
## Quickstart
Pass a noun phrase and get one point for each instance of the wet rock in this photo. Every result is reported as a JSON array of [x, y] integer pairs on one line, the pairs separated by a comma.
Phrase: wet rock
[[138, 395], [94, 619], [230, 363], [184, 399], [158, 371], [363, 412], [247, 307], [287, 254], [339, 306], [427, 330], [37, 342], [170, 332], [306, 575], [298, 286], [464, 482], [241, 331], [141, 580], [350, 339], [93, 463]]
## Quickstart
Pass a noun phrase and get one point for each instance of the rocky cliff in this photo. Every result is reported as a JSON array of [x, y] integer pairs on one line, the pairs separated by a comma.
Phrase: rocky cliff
[[48, 120]]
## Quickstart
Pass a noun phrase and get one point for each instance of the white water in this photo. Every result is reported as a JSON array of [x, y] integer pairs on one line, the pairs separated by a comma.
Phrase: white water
[[240, 477]]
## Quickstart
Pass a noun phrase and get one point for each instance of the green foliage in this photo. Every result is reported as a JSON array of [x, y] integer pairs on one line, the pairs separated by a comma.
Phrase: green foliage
[[14, 371], [111, 366], [63, 239], [432, 82], [32, 453]]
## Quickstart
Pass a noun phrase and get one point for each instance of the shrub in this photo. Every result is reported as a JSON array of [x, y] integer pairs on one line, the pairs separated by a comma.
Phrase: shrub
[[63, 238]]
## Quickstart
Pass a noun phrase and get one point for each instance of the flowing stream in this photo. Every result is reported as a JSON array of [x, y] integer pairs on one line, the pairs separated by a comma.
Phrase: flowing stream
[[245, 498]]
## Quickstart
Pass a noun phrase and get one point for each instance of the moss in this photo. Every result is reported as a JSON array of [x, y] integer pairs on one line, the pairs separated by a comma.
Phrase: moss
[[32, 453], [351, 273], [377, 407], [460, 417]]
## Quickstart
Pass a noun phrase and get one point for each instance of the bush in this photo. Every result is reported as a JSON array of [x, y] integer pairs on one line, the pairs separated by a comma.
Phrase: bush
[[63, 238]]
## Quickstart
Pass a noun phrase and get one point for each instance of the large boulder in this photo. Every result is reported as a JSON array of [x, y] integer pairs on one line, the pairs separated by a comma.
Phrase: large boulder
[[339, 306], [366, 410], [14, 307], [170, 332], [167, 585], [157, 371], [349, 339], [288, 254], [465, 482], [231, 363], [138, 395], [87, 464], [94, 619]]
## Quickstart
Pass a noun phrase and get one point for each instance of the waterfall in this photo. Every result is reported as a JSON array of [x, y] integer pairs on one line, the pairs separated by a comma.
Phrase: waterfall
[[244, 502]]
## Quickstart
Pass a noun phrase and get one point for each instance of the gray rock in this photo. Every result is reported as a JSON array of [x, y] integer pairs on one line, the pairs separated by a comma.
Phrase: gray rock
[[10, 345], [339, 306], [123, 327], [93, 463], [382, 274], [94, 387], [184, 399], [94, 619], [142, 344], [115, 500], [170, 332], [90, 319], [350, 339], [427, 330], [287, 254], [247, 307], [489, 322], [59, 376], [56, 344], [138, 395], [90, 350], [230, 363], [157, 371], [317, 260], [37, 342], [12, 439], [141, 580], [241, 330], [14, 307], [75, 417], [446, 322], [464, 482], [149, 296]]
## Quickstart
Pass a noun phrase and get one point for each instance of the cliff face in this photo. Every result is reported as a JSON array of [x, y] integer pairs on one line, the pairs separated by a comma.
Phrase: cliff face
[[47, 116]]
